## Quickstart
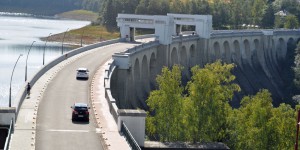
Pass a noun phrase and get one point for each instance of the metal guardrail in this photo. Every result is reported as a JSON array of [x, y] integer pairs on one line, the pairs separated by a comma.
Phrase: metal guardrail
[[10, 131], [134, 145]]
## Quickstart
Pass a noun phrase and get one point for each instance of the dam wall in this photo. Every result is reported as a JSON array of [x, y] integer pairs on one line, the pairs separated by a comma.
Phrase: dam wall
[[262, 59]]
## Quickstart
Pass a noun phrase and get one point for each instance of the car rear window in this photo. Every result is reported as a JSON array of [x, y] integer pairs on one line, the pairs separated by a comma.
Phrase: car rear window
[[81, 108]]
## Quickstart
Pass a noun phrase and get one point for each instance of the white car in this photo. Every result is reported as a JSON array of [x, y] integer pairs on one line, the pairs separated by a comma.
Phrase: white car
[[82, 73]]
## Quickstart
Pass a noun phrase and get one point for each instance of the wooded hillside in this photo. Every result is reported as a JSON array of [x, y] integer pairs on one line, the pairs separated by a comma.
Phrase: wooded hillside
[[48, 7]]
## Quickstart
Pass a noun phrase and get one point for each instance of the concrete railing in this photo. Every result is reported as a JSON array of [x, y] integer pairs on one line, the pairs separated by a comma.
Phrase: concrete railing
[[234, 33], [10, 131], [287, 32], [113, 108], [182, 38], [136, 118], [22, 93], [142, 47]]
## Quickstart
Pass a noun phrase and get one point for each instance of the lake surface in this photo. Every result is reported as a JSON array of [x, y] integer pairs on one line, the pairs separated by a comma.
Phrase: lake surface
[[16, 36]]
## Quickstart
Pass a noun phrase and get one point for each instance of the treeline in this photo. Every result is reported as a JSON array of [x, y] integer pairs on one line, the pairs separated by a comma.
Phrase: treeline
[[48, 7], [227, 14], [200, 111]]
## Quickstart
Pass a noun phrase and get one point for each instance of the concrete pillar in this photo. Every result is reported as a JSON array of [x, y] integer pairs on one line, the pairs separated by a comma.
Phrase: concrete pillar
[[178, 29], [135, 122], [120, 85], [7, 114], [163, 29], [125, 32]]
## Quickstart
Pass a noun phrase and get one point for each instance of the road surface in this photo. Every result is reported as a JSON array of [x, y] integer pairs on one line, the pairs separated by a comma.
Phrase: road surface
[[55, 129]]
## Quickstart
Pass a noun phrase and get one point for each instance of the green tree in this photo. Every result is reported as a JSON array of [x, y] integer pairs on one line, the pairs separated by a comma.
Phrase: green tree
[[199, 7], [252, 120], [235, 13], [291, 22], [142, 7], [166, 104], [268, 18], [109, 14], [258, 9], [210, 90], [258, 125], [177, 6], [220, 12], [281, 127]]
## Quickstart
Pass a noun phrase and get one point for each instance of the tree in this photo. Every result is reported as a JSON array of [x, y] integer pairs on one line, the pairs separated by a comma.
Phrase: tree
[[199, 7], [109, 14], [210, 90], [200, 116], [268, 18], [166, 104], [258, 125], [252, 117], [291, 22], [220, 12], [258, 9], [235, 13], [281, 127], [142, 7], [177, 6]]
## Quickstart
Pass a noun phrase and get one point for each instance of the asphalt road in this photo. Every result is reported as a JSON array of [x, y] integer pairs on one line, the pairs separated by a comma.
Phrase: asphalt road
[[55, 129]]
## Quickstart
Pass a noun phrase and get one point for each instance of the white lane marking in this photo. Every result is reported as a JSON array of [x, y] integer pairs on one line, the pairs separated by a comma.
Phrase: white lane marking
[[79, 131]]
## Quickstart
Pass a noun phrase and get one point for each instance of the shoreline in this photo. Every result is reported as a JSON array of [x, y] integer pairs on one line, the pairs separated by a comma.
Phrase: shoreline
[[87, 35]]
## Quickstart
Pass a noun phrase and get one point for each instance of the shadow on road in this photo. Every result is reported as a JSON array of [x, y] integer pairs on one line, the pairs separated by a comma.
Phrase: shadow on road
[[80, 122]]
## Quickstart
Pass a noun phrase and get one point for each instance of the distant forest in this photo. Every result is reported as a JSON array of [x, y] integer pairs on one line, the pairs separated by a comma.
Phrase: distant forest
[[48, 7], [227, 14]]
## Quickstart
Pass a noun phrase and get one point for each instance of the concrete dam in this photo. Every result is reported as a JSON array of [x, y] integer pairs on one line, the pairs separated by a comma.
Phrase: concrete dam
[[263, 58]]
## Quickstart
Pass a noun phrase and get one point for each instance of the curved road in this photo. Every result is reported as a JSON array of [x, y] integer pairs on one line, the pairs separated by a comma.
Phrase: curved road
[[55, 130]]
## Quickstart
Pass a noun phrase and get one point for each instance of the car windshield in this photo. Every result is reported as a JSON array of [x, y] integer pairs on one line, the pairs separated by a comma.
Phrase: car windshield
[[82, 71], [80, 108]]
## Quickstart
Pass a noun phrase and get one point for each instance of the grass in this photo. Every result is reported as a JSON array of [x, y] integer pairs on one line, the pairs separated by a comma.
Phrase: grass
[[79, 15], [90, 34], [95, 32]]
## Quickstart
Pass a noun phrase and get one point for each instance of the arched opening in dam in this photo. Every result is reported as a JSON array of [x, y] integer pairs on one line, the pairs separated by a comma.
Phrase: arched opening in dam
[[153, 71], [236, 56], [227, 52], [217, 50], [174, 57], [192, 56], [145, 75]]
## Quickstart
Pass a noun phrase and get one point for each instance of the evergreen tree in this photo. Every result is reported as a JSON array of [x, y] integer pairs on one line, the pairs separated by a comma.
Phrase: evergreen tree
[[268, 17]]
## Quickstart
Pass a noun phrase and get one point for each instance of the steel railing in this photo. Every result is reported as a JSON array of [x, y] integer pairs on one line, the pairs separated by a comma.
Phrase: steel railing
[[10, 131], [134, 145]]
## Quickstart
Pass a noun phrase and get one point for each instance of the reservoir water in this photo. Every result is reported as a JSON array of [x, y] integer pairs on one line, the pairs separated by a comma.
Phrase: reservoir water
[[16, 36]]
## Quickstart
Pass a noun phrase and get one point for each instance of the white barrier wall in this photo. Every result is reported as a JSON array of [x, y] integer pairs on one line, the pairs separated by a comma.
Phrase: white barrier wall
[[135, 122], [7, 114]]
